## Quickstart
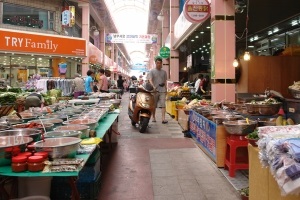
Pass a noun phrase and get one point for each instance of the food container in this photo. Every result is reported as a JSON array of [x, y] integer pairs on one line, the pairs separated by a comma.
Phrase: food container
[[35, 134], [91, 123], [72, 110], [75, 127], [8, 143], [35, 163], [19, 164], [61, 133], [240, 127], [64, 147], [39, 126], [44, 154], [69, 113]]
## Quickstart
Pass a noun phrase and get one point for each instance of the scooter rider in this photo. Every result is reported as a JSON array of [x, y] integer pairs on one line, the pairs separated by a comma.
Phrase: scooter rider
[[158, 79]]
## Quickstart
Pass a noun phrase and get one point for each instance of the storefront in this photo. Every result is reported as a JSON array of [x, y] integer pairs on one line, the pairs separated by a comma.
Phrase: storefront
[[24, 54]]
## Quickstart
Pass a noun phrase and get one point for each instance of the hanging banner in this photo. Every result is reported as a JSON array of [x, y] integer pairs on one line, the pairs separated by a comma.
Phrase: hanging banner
[[72, 15], [130, 38], [196, 11]]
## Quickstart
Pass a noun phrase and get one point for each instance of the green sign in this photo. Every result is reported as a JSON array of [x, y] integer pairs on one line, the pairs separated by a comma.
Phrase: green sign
[[164, 52]]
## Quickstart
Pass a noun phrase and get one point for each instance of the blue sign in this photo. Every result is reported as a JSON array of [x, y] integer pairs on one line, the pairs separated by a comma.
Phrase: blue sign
[[204, 132]]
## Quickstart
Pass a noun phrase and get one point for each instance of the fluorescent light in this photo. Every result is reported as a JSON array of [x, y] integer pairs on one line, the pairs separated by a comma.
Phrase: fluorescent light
[[270, 32], [276, 29], [294, 22]]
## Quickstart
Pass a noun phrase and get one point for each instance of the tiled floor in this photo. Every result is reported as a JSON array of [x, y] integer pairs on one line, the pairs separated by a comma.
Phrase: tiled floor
[[160, 165]]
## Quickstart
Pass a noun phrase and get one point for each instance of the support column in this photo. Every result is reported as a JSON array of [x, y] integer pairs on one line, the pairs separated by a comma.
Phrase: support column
[[174, 59], [85, 34], [222, 50], [164, 34], [112, 57], [102, 45]]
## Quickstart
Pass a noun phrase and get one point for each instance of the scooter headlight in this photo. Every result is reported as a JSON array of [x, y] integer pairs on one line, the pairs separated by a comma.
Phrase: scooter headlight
[[145, 105]]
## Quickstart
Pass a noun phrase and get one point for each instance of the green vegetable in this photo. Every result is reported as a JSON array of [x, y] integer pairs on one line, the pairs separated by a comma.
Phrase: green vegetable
[[16, 90], [253, 135], [8, 98]]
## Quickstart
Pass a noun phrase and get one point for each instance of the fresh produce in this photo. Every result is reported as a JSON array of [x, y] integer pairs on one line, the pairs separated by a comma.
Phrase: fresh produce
[[8, 98], [253, 135], [280, 121], [295, 86], [15, 90]]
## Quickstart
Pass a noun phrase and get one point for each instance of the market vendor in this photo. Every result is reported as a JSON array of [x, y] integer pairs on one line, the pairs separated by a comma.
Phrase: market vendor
[[34, 100]]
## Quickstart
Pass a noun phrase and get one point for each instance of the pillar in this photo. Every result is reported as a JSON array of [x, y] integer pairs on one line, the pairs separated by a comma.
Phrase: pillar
[[164, 34], [85, 34], [174, 57], [222, 50], [102, 45]]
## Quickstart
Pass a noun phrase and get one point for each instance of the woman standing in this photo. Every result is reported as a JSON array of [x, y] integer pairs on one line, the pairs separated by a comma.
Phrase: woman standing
[[88, 83]]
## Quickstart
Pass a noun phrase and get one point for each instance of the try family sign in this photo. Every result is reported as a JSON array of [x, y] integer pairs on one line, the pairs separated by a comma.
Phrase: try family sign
[[196, 11], [164, 52]]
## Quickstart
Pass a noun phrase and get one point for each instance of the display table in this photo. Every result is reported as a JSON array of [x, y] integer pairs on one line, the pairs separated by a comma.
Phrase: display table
[[183, 119], [104, 127], [209, 136], [80, 101], [171, 108], [262, 185]]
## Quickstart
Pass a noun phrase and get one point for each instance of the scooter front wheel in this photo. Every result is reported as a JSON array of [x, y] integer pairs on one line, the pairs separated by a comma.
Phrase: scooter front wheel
[[144, 121], [133, 123]]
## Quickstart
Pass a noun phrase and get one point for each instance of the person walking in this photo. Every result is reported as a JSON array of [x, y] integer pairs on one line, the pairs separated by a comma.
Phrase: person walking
[[158, 79], [78, 85], [120, 85], [103, 82], [88, 83]]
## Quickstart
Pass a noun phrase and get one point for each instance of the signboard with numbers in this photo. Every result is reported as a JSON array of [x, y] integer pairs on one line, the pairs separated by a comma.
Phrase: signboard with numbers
[[204, 132]]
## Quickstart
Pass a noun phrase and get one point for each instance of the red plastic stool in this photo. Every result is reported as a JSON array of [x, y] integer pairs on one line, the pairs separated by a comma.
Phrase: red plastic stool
[[233, 160]]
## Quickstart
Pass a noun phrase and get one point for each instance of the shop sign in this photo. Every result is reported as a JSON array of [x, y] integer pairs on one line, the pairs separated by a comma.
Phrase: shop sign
[[196, 11], [131, 38], [21, 42], [164, 52], [204, 132], [65, 17]]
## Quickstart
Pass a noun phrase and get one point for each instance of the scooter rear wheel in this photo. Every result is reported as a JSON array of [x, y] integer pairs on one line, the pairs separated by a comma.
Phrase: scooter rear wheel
[[144, 121]]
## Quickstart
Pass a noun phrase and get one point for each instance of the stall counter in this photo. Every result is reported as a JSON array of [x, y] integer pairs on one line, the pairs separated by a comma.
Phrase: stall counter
[[209, 136], [262, 185]]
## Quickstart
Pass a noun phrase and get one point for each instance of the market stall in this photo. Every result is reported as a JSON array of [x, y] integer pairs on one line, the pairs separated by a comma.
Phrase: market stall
[[85, 177]]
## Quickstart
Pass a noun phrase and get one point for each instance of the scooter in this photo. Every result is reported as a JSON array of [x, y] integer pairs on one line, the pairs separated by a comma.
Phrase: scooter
[[141, 106]]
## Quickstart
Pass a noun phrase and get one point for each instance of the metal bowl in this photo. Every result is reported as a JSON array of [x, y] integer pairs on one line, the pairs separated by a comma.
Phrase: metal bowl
[[54, 116], [72, 110], [11, 120], [48, 126], [63, 147], [219, 119], [35, 134], [75, 127], [4, 127], [116, 102], [91, 123], [56, 122], [7, 143], [240, 127], [263, 109], [267, 122], [56, 134], [69, 113], [270, 109]]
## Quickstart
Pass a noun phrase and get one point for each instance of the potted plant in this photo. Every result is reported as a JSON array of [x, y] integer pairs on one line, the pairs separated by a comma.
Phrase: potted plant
[[244, 193], [253, 138]]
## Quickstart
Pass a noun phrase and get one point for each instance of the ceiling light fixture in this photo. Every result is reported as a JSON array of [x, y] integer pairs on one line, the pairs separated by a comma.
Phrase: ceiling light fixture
[[247, 54], [95, 29], [160, 17]]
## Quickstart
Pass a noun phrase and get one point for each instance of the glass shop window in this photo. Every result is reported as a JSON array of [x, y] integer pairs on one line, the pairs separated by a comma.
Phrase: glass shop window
[[27, 16]]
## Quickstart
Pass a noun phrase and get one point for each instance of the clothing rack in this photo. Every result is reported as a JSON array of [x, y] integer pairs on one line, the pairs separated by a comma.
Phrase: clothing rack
[[63, 84]]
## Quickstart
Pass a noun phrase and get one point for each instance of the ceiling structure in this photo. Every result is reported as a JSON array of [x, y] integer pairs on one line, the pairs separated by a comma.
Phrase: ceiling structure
[[262, 15]]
